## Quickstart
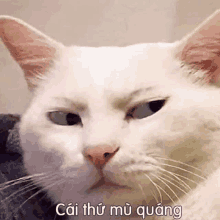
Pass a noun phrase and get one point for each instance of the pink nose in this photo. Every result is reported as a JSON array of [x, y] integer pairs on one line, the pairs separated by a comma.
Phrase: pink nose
[[101, 154]]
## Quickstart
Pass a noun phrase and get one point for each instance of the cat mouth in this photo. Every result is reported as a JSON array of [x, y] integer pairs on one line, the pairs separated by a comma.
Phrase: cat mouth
[[107, 185]]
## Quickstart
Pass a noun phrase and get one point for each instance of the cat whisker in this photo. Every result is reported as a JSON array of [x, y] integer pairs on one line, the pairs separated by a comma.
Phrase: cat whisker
[[174, 180], [156, 186], [145, 194], [20, 180], [35, 194], [29, 187], [175, 185], [154, 195], [181, 176], [142, 190], [175, 175], [186, 178], [165, 193], [180, 162], [162, 180], [187, 171]]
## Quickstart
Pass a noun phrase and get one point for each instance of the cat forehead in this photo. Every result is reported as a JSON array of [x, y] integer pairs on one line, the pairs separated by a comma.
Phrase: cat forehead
[[99, 65], [116, 69], [119, 58]]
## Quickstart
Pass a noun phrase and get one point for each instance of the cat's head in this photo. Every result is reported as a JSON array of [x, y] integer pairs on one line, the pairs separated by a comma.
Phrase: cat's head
[[119, 124]]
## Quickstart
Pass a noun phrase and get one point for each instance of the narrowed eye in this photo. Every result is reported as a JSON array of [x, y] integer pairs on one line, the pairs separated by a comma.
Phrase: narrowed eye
[[146, 109], [64, 118]]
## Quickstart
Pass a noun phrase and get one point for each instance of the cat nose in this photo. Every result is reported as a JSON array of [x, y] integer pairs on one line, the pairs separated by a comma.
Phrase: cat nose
[[100, 155]]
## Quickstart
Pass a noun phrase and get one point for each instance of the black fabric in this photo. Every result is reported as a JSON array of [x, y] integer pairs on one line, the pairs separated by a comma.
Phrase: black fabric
[[12, 168], [7, 123]]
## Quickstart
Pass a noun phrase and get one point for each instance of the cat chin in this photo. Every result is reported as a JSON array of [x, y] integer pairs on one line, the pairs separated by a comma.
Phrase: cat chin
[[114, 195]]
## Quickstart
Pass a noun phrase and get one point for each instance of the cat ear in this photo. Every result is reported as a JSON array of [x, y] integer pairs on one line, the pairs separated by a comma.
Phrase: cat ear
[[200, 50], [34, 51]]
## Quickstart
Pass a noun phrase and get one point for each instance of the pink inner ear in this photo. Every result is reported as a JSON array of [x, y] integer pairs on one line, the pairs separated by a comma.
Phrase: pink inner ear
[[201, 49], [204, 54], [30, 49]]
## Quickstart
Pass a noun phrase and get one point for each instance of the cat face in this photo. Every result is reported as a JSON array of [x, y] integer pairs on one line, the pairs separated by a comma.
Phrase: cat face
[[137, 124], [137, 113], [69, 118]]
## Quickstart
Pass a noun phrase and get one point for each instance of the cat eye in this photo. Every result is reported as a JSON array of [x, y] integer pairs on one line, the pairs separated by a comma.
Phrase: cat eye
[[146, 109], [64, 118]]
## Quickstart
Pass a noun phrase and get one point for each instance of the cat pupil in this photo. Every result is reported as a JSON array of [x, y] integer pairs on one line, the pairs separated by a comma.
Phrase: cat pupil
[[156, 105], [72, 119]]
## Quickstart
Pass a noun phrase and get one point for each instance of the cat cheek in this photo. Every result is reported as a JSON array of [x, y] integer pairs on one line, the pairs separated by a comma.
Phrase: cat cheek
[[39, 162]]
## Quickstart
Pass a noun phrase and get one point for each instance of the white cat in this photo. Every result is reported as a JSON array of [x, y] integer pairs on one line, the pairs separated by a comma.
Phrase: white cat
[[134, 126]]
